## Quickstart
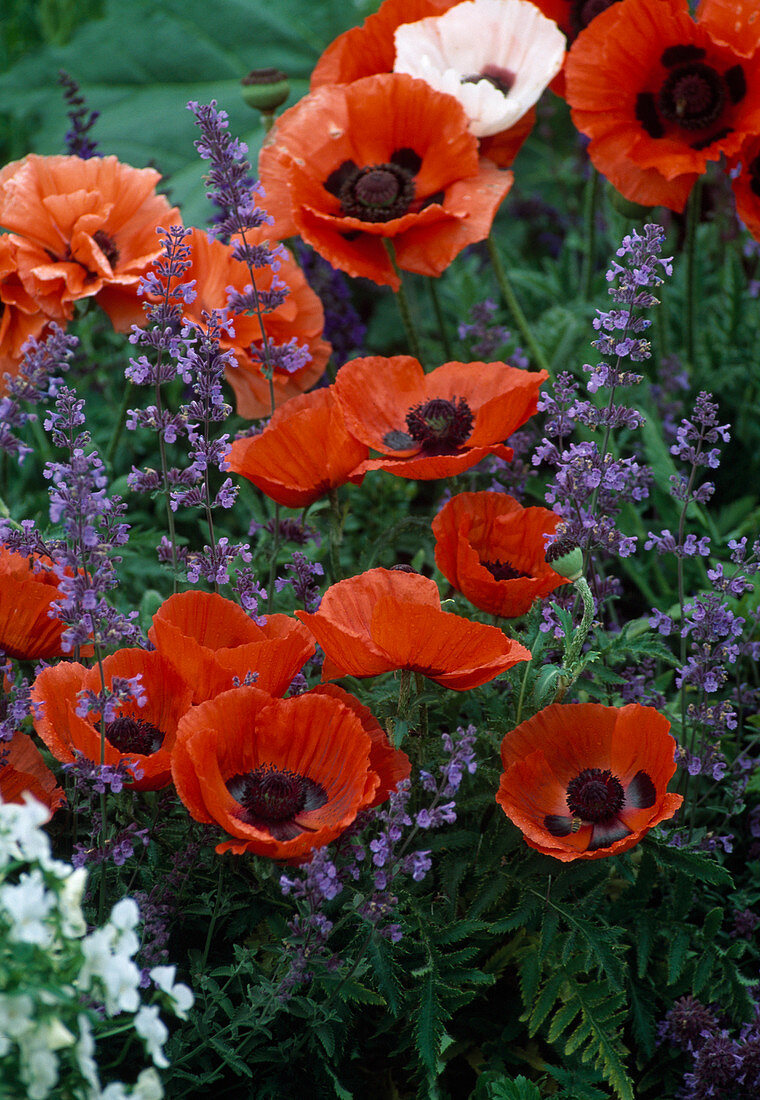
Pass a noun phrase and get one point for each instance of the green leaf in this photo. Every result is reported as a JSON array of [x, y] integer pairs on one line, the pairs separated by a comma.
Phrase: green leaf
[[141, 63]]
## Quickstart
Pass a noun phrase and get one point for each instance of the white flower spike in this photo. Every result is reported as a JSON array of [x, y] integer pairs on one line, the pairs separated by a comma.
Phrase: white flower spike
[[495, 56]]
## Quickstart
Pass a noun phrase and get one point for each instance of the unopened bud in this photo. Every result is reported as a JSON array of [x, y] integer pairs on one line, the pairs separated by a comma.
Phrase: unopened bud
[[265, 89], [566, 558]]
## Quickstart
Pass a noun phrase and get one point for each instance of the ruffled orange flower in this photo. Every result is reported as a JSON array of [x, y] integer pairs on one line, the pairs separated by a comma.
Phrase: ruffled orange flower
[[303, 453], [28, 588], [281, 776], [211, 641], [299, 318], [370, 49], [386, 619], [22, 770], [141, 735], [660, 96], [20, 316], [491, 549], [437, 424], [746, 186], [385, 157], [85, 228], [583, 781]]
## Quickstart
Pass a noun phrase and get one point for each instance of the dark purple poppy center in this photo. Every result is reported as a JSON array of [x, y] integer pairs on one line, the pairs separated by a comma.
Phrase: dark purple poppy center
[[272, 798], [376, 192], [692, 96], [501, 79], [503, 571], [440, 425], [128, 734], [595, 795], [107, 246], [582, 12]]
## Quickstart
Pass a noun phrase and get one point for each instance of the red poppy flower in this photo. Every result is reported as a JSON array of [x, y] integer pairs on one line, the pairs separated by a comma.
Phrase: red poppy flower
[[583, 781], [142, 735], [211, 641], [281, 776], [20, 316], [28, 588], [370, 49], [387, 619], [437, 424], [492, 550], [661, 96], [22, 771], [303, 453], [86, 228], [385, 157], [300, 318]]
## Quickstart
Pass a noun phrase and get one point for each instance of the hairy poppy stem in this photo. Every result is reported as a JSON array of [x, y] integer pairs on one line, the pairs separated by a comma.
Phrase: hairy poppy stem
[[273, 563], [515, 308], [403, 304], [692, 221], [442, 330], [335, 535], [590, 203]]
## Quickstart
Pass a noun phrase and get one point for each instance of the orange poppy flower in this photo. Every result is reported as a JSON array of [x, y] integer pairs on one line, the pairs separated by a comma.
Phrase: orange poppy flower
[[391, 764], [141, 735], [211, 641], [300, 317], [660, 96], [28, 588], [746, 186], [370, 49], [385, 157], [20, 316], [438, 424], [582, 781], [85, 228], [572, 17], [22, 770], [281, 776], [386, 619], [491, 549], [303, 453]]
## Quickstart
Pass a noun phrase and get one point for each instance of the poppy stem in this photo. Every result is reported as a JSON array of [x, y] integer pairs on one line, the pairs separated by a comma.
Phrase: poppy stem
[[442, 330], [693, 210], [120, 422], [212, 922], [335, 535], [273, 563], [404, 693], [514, 307], [403, 304], [590, 203], [571, 665]]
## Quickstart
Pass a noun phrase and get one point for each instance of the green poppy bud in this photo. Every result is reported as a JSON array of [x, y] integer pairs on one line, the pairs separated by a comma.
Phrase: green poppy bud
[[566, 558], [265, 89]]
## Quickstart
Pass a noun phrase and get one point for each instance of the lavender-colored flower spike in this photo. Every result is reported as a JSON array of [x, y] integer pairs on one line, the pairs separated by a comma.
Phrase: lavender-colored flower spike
[[37, 382], [78, 142]]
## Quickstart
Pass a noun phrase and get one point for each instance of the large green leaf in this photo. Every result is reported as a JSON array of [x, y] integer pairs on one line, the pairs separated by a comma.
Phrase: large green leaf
[[143, 60]]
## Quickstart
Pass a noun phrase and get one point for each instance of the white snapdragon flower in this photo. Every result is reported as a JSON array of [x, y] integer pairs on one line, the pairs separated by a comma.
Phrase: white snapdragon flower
[[495, 56], [180, 995], [21, 836], [154, 1033], [70, 897], [28, 905]]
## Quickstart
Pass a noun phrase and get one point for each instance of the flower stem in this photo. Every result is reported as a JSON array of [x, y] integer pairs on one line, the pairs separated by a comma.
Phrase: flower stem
[[442, 330], [403, 304], [121, 420], [514, 307], [692, 221], [590, 202]]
